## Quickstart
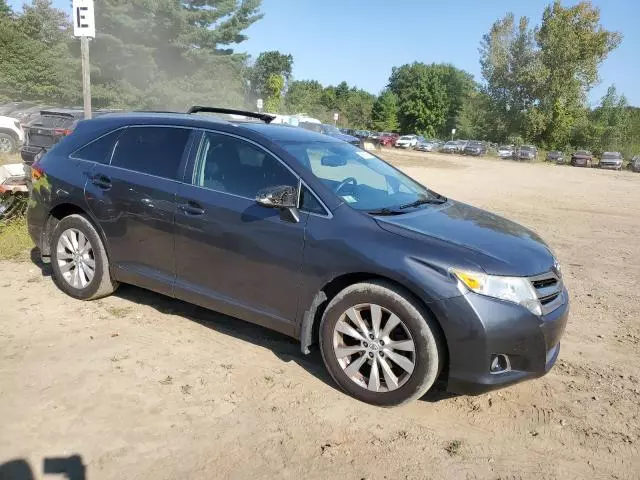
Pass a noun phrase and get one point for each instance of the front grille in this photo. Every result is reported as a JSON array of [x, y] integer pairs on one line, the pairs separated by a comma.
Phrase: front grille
[[548, 288]]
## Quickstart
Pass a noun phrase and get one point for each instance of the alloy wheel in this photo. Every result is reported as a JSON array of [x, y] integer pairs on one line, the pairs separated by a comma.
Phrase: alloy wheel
[[76, 258], [374, 347]]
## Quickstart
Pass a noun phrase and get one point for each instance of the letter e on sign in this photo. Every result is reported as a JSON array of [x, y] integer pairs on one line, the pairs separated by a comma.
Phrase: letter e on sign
[[83, 19]]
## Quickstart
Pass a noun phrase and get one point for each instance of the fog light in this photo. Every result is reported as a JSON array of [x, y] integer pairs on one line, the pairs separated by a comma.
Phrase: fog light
[[500, 363]]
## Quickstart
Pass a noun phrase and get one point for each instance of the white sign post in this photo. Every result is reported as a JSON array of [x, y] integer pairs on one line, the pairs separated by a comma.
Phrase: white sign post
[[453, 132], [335, 118], [260, 104], [84, 27]]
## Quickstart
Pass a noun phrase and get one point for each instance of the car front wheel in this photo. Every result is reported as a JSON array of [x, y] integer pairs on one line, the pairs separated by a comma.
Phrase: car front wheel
[[379, 344], [79, 260]]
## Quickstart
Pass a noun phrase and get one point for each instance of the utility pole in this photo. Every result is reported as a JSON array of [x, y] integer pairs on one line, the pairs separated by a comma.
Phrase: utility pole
[[84, 27], [86, 77]]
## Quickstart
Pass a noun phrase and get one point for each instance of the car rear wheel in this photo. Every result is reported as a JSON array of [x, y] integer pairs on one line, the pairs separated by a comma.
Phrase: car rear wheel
[[8, 144], [79, 260], [379, 345]]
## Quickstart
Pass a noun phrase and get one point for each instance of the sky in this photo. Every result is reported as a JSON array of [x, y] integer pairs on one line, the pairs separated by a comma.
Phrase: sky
[[359, 41]]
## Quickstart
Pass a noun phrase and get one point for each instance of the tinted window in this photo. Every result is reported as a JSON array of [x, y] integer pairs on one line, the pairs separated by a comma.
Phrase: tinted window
[[231, 165], [53, 121], [309, 203], [99, 150], [153, 150]]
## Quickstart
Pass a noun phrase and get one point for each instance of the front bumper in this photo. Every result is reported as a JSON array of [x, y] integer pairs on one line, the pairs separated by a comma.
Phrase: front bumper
[[477, 327], [612, 166]]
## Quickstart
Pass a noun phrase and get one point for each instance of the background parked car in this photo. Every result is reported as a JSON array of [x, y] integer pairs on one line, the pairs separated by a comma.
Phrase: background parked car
[[333, 131], [506, 151], [612, 160], [49, 128], [451, 146], [635, 163], [428, 146], [581, 158], [407, 141], [388, 139], [11, 134], [527, 152], [555, 156], [475, 148]]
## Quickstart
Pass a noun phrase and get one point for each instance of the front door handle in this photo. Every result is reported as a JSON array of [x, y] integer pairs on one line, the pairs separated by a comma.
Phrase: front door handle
[[191, 208], [101, 181]]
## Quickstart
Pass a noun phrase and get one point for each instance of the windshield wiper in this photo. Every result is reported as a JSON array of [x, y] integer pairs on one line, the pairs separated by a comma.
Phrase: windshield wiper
[[423, 200], [384, 211]]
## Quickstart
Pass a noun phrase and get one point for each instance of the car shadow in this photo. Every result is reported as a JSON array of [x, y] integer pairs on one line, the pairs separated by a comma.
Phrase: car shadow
[[36, 259], [71, 468], [285, 348]]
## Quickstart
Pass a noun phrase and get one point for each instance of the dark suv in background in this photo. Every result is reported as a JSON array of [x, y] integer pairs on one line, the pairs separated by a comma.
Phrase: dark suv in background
[[307, 235]]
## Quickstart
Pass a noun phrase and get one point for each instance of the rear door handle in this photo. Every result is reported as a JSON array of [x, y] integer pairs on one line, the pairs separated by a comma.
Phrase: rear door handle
[[191, 208], [101, 181]]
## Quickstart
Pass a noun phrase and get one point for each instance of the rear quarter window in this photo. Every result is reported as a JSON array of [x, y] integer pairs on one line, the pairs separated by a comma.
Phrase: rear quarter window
[[98, 150]]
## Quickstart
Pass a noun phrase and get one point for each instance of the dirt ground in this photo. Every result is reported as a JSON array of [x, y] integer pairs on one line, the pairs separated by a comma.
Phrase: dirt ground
[[142, 386]]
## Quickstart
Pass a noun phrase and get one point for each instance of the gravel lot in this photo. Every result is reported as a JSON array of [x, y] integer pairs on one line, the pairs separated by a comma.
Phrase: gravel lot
[[142, 386]]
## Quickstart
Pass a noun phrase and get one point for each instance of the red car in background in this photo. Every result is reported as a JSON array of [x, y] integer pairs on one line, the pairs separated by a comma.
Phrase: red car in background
[[388, 139]]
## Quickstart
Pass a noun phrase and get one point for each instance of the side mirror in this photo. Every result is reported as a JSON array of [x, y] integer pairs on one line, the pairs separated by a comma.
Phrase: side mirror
[[282, 196], [333, 161]]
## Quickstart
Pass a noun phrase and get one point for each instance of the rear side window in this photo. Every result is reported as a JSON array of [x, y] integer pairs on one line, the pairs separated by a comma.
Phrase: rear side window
[[309, 203], [99, 150], [53, 121], [153, 150]]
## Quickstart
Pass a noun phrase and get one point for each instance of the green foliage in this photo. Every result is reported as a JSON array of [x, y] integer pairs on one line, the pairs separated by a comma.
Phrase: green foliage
[[384, 115], [422, 98], [5, 9], [272, 91], [268, 64]]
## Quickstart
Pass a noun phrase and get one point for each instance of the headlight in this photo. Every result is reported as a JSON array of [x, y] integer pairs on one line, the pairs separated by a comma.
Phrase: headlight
[[512, 289]]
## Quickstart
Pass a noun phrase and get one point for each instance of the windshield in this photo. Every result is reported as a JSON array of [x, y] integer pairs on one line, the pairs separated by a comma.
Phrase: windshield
[[361, 179], [527, 148], [407, 137], [505, 147], [611, 155], [330, 129]]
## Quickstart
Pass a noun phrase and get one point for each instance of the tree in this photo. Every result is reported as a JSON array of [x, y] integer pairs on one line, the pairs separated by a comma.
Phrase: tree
[[475, 119], [510, 65], [268, 64], [5, 9], [272, 91], [304, 96], [36, 63], [422, 98], [458, 85], [572, 46], [169, 54], [384, 115]]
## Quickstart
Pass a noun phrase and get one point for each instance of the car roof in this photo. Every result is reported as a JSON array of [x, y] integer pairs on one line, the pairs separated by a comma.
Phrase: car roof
[[277, 133]]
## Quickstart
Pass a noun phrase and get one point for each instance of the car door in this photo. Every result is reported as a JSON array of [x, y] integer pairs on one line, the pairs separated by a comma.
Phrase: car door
[[233, 255], [133, 198]]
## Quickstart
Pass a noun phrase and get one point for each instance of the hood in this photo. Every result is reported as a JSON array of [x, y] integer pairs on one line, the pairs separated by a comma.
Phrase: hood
[[504, 247]]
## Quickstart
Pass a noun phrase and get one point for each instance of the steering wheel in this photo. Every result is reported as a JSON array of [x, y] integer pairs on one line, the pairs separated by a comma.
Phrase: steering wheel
[[346, 181]]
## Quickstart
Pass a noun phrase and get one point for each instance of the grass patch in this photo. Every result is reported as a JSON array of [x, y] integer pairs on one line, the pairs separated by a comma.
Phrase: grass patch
[[118, 312], [453, 447], [15, 242]]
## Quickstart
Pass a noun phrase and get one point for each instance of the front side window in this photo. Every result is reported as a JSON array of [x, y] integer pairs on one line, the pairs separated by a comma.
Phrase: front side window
[[154, 150], [361, 179], [231, 165]]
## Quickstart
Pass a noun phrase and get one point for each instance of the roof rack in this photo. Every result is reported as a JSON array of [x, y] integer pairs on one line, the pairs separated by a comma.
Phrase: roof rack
[[265, 117]]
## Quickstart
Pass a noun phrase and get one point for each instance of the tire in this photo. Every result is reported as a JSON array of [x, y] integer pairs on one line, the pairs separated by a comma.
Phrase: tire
[[8, 143], [101, 284], [416, 324]]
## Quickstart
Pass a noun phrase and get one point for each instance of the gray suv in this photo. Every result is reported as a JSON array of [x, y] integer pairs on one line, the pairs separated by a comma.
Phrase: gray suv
[[307, 235]]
